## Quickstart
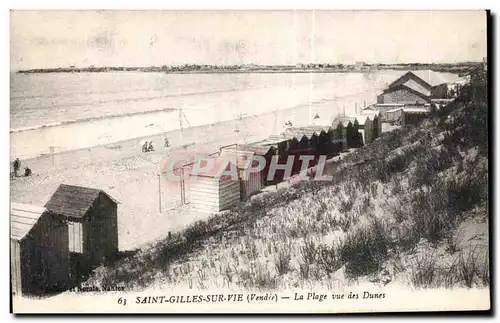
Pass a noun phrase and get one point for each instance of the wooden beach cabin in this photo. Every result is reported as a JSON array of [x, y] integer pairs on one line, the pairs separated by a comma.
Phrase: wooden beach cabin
[[275, 146], [343, 127], [376, 124], [244, 156], [39, 254], [92, 220], [320, 139], [406, 116], [211, 192], [366, 128]]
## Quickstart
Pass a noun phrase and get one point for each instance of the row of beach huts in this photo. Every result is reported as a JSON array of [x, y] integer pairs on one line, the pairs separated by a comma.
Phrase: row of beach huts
[[405, 101], [210, 193], [77, 229]]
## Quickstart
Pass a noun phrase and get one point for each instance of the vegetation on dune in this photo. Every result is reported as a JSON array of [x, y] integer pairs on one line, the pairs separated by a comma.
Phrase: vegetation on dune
[[391, 212]]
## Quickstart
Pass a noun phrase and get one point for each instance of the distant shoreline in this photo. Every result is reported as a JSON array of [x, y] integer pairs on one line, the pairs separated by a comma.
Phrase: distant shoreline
[[451, 68]]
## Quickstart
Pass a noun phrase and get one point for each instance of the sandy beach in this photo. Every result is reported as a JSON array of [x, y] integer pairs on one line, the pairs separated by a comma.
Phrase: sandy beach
[[130, 176]]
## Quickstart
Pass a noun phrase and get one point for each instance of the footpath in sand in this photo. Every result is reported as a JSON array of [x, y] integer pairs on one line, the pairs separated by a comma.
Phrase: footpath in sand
[[130, 176]]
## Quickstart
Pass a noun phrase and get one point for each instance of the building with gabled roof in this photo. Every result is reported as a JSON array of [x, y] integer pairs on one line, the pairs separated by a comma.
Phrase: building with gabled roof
[[39, 254], [402, 94], [412, 81], [92, 217], [428, 83]]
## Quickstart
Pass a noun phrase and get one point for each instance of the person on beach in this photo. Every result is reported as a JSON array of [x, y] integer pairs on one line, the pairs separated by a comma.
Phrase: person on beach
[[145, 147], [27, 171], [17, 166], [150, 147], [167, 144]]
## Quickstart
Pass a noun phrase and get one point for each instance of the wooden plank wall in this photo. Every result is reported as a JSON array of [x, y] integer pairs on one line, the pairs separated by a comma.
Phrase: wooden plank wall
[[103, 233], [113, 230], [252, 185], [15, 267], [33, 266], [367, 131], [53, 239], [211, 195], [229, 193], [204, 194]]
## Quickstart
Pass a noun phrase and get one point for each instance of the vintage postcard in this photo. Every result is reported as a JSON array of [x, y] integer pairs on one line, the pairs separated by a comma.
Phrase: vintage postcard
[[294, 161]]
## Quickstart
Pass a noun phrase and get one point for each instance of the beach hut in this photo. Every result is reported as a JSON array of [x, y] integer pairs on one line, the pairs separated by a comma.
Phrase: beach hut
[[39, 255], [365, 127], [350, 134], [340, 136], [92, 220], [374, 123], [319, 139], [294, 144], [406, 116], [251, 182], [324, 139], [212, 192], [280, 142], [377, 127], [394, 115], [414, 115], [303, 141]]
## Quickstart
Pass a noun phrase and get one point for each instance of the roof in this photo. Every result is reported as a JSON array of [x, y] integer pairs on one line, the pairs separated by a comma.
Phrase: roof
[[436, 78], [371, 113], [218, 163], [362, 119], [272, 140], [309, 131], [74, 201], [251, 148], [23, 218], [401, 105], [344, 120], [240, 156], [379, 105], [409, 76], [442, 100], [179, 159], [322, 121], [427, 78], [369, 108], [404, 87], [410, 110]]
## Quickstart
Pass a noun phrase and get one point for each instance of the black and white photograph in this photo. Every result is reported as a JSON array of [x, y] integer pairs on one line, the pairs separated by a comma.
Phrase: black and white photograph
[[249, 161]]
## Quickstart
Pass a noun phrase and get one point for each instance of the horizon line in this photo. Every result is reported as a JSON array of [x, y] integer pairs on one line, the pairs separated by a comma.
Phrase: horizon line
[[245, 64]]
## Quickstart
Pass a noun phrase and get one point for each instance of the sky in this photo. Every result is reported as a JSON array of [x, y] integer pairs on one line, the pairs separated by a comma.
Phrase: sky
[[43, 39]]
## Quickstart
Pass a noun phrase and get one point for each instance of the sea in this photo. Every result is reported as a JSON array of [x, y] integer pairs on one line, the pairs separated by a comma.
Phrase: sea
[[55, 112]]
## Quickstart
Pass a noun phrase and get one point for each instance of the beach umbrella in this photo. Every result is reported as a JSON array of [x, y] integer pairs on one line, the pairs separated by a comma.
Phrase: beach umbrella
[[143, 142]]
